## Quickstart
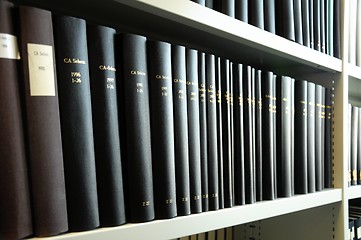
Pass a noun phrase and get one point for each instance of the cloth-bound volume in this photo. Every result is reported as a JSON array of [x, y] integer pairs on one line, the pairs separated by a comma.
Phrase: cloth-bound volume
[[241, 10], [105, 122], [43, 123], [285, 24], [76, 122], [162, 128], [311, 174], [132, 73], [256, 10], [15, 209], [180, 129]]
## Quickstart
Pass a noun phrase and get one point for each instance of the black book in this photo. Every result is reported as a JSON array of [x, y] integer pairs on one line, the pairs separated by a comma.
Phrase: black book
[[274, 111], [134, 99], [268, 134], [241, 10], [15, 206], [311, 174], [231, 101], [74, 87], [329, 26], [323, 25], [353, 143], [226, 130], [106, 125], [300, 138], [312, 39], [269, 16], [211, 101], [292, 136], [253, 124], [239, 173], [285, 24], [319, 135], [297, 9], [219, 133], [228, 7], [194, 130], [180, 129], [283, 125], [305, 22], [162, 128], [203, 128], [256, 13], [328, 138], [337, 29], [316, 25], [358, 164], [209, 4], [258, 135], [248, 136]]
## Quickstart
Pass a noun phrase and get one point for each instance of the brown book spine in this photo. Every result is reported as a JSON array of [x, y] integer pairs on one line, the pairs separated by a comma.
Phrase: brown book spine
[[15, 211], [43, 122]]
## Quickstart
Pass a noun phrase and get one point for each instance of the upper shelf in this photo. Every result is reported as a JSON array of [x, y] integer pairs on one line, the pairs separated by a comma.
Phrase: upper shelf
[[188, 23]]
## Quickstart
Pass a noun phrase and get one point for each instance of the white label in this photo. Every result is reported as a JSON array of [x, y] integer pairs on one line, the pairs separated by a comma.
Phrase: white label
[[9, 46], [41, 70]]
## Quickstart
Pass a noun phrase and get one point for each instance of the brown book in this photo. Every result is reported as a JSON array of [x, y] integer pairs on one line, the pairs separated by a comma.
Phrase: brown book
[[43, 122], [15, 211]]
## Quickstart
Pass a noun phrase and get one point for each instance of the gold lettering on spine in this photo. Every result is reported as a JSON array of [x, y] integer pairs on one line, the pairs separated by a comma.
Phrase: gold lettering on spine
[[145, 203], [75, 77]]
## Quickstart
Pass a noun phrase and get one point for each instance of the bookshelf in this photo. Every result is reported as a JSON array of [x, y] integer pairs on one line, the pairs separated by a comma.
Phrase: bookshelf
[[247, 44]]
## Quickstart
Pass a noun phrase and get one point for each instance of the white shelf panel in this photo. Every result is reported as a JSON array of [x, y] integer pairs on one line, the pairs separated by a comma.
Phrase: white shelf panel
[[196, 223], [354, 192]]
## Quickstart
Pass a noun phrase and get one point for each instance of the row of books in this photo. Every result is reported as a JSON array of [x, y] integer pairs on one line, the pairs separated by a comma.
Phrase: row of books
[[312, 23], [100, 128], [354, 232], [354, 163], [354, 36]]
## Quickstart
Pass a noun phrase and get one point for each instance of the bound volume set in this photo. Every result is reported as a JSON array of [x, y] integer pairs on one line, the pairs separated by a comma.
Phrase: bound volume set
[[312, 23], [101, 128]]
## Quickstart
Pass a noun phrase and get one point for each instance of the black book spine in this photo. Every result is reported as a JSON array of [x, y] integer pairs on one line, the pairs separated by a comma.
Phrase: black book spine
[[253, 124], [312, 40], [209, 4], [239, 174], [256, 13], [241, 10], [297, 5], [15, 206], [268, 144], [284, 165], [328, 138], [162, 128], [194, 130], [300, 138], [203, 128], [353, 142], [311, 174], [212, 132], [270, 15], [358, 164], [106, 125], [231, 103], [181, 129], [337, 29], [274, 126], [316, 25], [248, 136], [259, 135], [285, 19], [323, 26], [228, 7], [219, 133], [319, 151], [226, 130], [134, 98], [305, 22], [76, 122]]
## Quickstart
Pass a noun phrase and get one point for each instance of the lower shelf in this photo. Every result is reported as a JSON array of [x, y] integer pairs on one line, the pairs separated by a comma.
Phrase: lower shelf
[[203, 222]]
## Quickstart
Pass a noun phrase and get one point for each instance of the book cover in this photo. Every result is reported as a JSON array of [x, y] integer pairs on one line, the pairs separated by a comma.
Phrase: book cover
[[305, 23], [162, 128], [44, 136], [337, 29], [76, 122], [15, 206], [241, 10], [256, 13], [228, 7], [259, 135], [285, 23], [133, 97], [297, 9], [107, 148], [180, 129], [316, 25], [194, 130], [211, 99], [203, 128], [270, 16], [311, 154]]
